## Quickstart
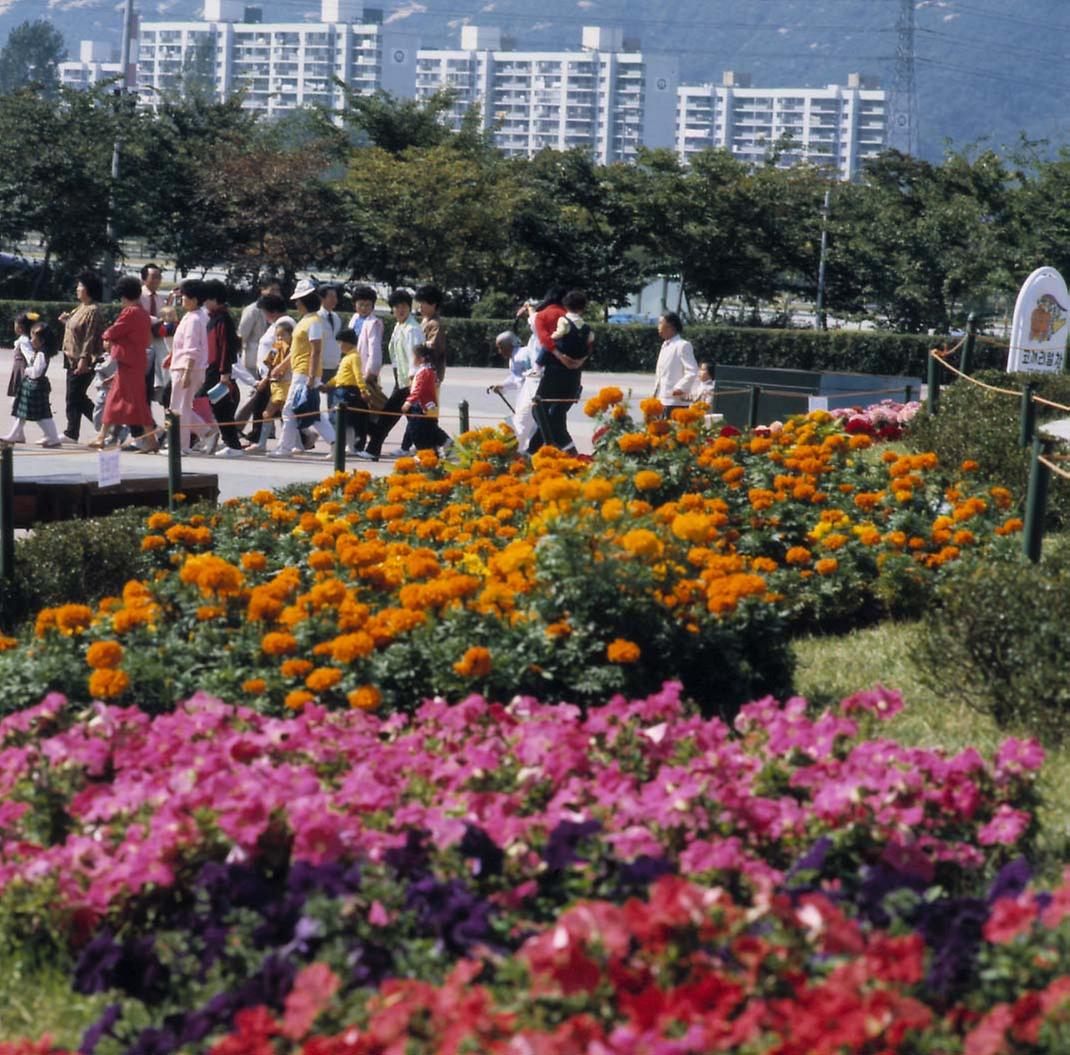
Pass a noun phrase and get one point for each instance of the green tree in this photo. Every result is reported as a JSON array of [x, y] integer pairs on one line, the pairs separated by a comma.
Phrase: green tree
[[395, 125], [198, 71], [31, 56]]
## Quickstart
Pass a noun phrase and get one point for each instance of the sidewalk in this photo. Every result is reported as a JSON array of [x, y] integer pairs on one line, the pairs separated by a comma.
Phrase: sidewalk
[[243, 476]]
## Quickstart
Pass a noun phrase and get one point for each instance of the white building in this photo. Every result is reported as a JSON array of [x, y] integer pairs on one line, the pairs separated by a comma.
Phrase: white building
[[609, 97], [838, 126], [95, 63], [280, 66]]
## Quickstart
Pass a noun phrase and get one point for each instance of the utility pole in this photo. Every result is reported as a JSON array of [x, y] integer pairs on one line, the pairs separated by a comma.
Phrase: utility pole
[[117, 149], [822, 321], [902, 128]]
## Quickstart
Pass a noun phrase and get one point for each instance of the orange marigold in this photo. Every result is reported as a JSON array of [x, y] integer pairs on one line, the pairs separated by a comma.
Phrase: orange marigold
[[323, 678], [642, 543], [366, 698], [278, 644], [152, 542], [634, 442], [104, 655], [475, 663], [798, 555], [295, 668], [254, 686], [7, 642], [621, 650], [647, 480], [296, 699], [254, 560], [108, 684]]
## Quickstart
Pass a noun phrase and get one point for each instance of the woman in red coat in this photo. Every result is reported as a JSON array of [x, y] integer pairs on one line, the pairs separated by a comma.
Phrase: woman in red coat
[[128, 338]]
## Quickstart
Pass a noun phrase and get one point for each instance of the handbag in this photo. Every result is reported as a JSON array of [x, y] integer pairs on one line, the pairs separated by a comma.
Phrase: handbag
[[374, 396]]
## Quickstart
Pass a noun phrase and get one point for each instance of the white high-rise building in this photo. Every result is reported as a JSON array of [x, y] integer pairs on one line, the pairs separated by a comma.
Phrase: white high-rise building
[[609, 98], [95, 64], [279, 66], [838, 126]]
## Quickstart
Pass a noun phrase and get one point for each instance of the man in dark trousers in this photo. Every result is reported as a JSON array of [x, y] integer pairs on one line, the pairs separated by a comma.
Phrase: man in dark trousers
[[224, 348]]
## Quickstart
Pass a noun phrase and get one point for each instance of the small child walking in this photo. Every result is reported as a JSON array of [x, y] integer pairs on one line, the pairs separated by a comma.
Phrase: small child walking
[[23, 353], [32, 401], [422, 405]]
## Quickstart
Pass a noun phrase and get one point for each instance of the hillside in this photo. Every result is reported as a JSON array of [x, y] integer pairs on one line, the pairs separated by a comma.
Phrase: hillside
[[982, 65]]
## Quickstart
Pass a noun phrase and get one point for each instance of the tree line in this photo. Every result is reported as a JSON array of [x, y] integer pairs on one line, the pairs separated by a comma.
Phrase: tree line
[[388, 193]]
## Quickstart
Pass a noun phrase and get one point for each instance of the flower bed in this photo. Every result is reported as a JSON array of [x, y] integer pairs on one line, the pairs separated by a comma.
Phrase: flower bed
[[676, 551], [528, 878], [884, 421]]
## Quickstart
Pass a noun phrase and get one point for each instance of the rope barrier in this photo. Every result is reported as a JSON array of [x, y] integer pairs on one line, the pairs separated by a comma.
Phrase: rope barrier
[[1053, 467], [939, 357], [1050, 403]]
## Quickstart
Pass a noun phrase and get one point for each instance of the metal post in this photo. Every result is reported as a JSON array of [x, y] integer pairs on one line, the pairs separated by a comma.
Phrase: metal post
[[908, 394], [174, 459], [971, 341], [1029, 415], [462, 415], [7, 514], [752, 405], [822, 320], [1036, 501], [341, 428], [932, 383], [117, 148]]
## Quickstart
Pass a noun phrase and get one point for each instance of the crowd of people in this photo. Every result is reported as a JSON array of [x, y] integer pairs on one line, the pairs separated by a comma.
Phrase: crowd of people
[[192, 362]]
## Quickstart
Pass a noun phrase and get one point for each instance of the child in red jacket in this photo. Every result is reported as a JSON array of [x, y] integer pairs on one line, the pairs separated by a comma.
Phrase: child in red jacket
[[422, 405]]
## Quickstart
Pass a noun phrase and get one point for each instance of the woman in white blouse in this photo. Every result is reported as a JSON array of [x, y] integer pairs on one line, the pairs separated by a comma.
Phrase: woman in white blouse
[[676, 371]]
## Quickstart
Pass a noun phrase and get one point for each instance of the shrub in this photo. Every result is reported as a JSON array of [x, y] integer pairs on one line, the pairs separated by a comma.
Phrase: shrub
[[995, 638], [84, 559], [974, 424]]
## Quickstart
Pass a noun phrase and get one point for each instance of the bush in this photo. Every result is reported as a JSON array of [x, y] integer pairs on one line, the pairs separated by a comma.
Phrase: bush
[[995, 638], [973, 424], [83, 559]]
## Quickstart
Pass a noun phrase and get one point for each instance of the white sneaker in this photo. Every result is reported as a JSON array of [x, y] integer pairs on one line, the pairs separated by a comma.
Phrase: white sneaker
[[284, 453], [366, 457], [230, 452]]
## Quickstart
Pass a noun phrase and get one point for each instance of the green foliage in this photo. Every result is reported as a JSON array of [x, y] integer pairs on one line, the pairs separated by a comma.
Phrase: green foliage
[[984, 427], [31, 56], [995, 639], [86, 559]]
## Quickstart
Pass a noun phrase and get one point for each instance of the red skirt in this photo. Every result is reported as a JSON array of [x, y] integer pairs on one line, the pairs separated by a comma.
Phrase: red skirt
[[127, 402]]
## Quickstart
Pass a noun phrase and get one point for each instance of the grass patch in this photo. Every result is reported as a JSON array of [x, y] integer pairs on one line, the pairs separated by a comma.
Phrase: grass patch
[[830, 668], [37, 1000]]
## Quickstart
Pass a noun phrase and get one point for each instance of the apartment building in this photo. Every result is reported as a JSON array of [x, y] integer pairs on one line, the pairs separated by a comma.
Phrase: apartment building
[[609, 97], [838, 126], [279, 66], [95, 64]]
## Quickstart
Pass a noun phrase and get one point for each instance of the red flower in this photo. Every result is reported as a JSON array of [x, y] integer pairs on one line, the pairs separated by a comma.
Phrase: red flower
[[1010, 917], [311, 994]]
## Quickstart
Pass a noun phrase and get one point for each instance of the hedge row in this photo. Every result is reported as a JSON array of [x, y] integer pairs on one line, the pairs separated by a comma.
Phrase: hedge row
[[635, 348]]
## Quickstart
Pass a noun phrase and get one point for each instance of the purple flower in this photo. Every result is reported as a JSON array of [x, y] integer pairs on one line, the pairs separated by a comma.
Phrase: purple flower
[[562, 848], [370, 964], [154, 1042], [635, 876], [101, 1028], [1011, 880], [410, 861], [951, 928], [94, 971], [332, 878], [488, 855], [451, 912]]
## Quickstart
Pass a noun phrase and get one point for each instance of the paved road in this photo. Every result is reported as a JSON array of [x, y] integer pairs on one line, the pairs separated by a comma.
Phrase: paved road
[[249, 474]]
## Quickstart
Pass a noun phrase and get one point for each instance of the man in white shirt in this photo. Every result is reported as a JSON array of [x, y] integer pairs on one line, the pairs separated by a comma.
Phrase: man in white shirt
[[370, 335], [153, 302], [332, 324], [675, 374], [273, 308]]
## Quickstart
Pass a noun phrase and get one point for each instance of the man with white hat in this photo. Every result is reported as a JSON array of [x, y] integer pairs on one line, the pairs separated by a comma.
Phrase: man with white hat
[[306, 364]]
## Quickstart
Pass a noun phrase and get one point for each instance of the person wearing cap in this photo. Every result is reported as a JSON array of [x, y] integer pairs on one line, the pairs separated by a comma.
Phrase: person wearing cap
[[305, 362]]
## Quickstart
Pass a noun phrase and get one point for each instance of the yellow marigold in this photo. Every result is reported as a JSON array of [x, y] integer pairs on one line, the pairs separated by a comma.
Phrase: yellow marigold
[[297, 698], [597, 489], [323, 678], [102, 655], [834, 541], [152, 542], [558, 489], [693, 527], [254, 560], [621, 650], [278, 644], [366, 698], [475, 663], [798, 555], [295, 668], [612, 509], [640, 542], [634, 442], [254, 686], [647, 480], [108, 684]]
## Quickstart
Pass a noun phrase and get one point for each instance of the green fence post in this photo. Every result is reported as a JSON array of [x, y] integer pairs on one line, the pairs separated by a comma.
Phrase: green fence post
[[7, 514], [752, 405], [971, 341], [908, 394], [1029, 415], [174, 459], [932, 383], [341, 427], [462, 415], [1036, 501]]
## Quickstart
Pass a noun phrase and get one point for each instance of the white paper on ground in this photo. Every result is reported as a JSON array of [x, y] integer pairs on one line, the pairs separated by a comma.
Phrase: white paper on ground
[[108, 474]]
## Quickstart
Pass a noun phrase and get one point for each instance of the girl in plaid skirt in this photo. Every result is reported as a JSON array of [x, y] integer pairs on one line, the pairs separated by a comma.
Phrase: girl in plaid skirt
[[32, 402]]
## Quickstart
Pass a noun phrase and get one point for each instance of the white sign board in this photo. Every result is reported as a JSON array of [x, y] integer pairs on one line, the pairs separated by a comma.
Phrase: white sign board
[[108, 474], [1041, 324]]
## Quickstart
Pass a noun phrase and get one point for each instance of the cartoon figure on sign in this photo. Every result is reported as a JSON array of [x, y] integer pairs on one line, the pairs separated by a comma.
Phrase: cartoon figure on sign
[[1047, 319]]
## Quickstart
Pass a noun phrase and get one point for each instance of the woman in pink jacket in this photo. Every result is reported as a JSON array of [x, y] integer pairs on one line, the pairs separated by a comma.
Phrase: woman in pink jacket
[[188, 360]]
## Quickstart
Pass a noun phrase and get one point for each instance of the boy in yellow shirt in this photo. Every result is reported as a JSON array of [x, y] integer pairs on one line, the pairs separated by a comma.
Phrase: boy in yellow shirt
[[350, 383]]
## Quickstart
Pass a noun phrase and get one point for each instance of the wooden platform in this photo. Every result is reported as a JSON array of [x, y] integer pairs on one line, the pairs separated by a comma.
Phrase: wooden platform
[[73, 496]]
